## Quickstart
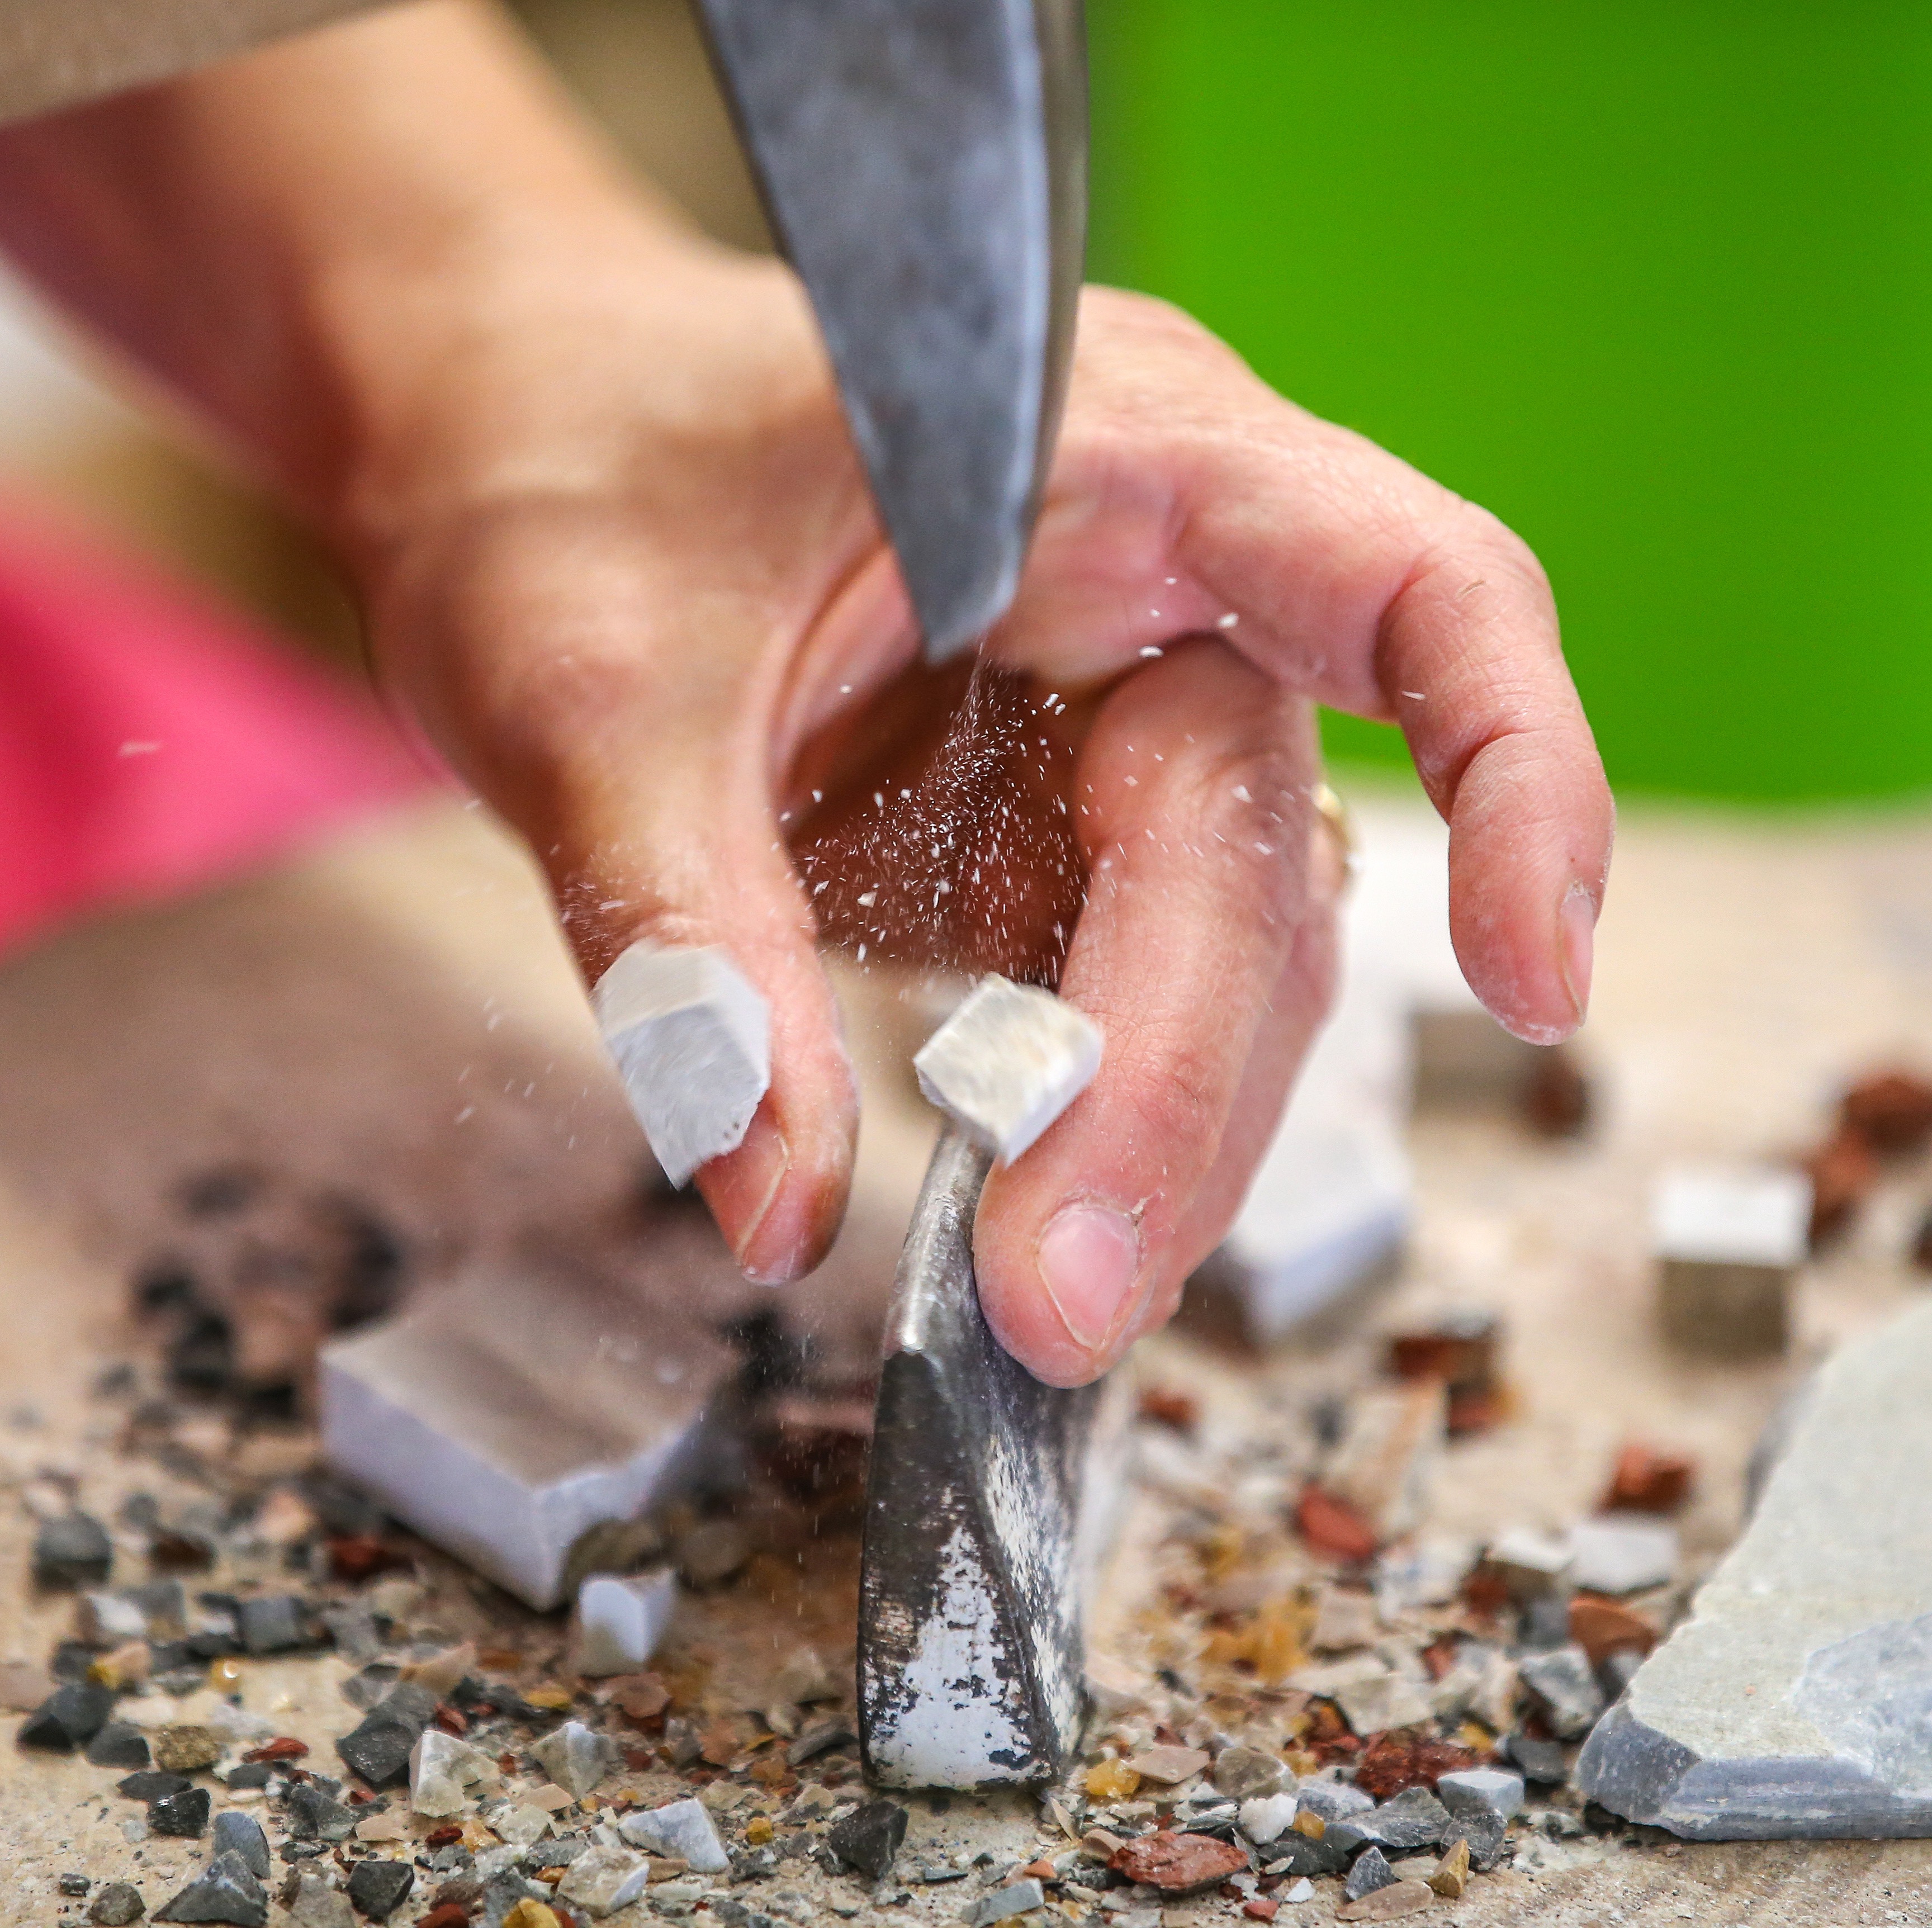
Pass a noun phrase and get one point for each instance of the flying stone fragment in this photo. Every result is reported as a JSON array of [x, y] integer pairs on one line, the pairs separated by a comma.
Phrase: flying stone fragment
[[691, 1040], [990, 1501], [1007, 1063]]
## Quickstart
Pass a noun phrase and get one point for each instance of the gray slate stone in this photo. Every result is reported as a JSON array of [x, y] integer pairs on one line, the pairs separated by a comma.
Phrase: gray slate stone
[[72, 1550], [273, 1625], [1004, 1903], [68, 1718], [869, 1840], [238, 1833], [1564, 1687], [378, 1747], [1328, 1856], [1481, 1791], [502, 1893], [1414, 1819], [1543, 1762], [1820, 1611], [1487, 1834], [378, 1887], [118, 1745], [1371, 1871], [313, 1816], [185, 1813], [227, 1892]]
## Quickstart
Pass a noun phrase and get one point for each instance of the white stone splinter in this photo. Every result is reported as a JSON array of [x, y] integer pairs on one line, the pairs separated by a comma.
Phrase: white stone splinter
[[691, 1039], [621, 1620], [1007, 1063]]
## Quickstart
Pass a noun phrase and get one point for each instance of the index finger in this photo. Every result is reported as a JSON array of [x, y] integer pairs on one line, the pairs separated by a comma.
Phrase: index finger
[[1349, 577]]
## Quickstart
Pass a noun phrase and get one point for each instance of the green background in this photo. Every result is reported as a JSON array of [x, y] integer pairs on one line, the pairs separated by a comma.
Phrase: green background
[[1651, 281]]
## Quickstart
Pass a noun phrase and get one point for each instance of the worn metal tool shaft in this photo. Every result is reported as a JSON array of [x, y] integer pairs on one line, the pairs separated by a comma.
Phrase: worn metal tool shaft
[[985, 1510]]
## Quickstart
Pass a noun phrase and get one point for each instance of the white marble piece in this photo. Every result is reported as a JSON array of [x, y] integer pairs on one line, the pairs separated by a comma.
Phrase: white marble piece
[[1796, 1698], [1622, 1553], [1747, 1216], [1267, 1816], [681, 1829], [1007, 1063], [576, 1759], [504, 1418], [442, 1769], [621, 1617], [603, 1879], [691, 1037]]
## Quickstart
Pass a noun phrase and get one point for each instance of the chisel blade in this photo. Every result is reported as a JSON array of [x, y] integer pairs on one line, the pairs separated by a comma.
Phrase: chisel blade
[[990, 1499], [923, 163]]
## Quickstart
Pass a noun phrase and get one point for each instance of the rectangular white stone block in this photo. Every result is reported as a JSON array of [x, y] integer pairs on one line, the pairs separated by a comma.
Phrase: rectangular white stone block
[[1007, 1063], [1751, 1215], [691, 1040], [503, 1418]]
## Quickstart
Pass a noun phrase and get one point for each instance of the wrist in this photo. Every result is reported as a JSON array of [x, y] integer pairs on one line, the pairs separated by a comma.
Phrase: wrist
[[469, 372]]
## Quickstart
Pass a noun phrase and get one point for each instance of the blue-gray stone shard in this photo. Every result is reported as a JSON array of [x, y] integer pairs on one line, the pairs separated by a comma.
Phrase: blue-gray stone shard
[[1796, 1700]]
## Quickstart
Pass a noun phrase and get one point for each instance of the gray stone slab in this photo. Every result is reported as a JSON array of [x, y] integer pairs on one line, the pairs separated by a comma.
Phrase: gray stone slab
[[1796, 1700]]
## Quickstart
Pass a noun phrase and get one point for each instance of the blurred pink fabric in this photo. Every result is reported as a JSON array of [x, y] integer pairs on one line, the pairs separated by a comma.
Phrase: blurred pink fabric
[[152, 741]]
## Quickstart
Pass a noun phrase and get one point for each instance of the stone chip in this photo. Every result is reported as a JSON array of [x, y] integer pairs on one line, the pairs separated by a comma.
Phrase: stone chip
[[574, 1757], [1791, 1703], [1004, 1903], [869, 1838], [1178, 1863], [691, 1037], [116, 1905], [1007, 1063], [1371, 1871], [601, 1880], [238, 1833], [185, 1813], [682, 1830], [226, 1892]]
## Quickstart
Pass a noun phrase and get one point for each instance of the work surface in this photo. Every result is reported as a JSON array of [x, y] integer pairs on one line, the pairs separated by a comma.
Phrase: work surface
[[392, 1021]]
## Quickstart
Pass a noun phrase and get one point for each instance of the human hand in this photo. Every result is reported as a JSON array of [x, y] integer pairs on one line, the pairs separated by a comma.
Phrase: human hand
[[679, 658], [618, 556]]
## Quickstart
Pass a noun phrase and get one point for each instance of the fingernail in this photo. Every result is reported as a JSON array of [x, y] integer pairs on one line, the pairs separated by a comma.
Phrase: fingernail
[[1577, 927], [1089, 1257], [741, 1189]]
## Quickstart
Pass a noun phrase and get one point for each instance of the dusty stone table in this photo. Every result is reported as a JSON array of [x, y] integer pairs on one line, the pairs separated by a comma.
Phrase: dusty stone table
[[394, 1015]]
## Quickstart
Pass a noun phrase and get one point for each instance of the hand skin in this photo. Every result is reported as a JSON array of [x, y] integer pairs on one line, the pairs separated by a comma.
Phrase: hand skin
[[616, 555]]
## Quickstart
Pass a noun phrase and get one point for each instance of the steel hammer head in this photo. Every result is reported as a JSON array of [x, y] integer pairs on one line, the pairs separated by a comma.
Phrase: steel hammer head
[[923, 163]]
